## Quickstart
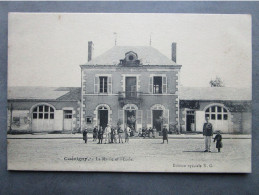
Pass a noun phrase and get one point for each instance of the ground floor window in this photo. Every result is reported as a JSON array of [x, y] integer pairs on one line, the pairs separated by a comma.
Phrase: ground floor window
[[67, 114]]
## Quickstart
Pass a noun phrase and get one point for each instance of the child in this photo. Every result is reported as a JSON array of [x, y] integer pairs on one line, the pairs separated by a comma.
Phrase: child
[[218, 138]]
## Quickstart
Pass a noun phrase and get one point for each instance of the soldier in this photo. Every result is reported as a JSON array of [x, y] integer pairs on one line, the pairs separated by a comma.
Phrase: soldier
[[207, 133]]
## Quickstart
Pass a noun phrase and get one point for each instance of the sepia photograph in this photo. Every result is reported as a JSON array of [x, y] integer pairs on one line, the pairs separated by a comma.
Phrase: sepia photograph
[[110, 92]]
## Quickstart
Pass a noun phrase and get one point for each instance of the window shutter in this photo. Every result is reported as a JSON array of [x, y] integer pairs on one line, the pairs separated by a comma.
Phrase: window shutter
[[139, 117], [164, 82], [151, 84], [96, 84], [166, 117], [149, 118], [109, 85]]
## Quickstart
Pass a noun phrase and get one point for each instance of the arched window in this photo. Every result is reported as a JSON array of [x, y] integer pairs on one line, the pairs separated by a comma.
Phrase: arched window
[[130, 107], [43, 112], [102, 108], [216, 112], [157, 107]]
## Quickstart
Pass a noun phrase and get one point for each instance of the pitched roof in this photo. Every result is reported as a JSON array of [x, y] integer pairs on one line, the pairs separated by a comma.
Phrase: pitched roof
[[46, 93], [146, 54], [215, 93]]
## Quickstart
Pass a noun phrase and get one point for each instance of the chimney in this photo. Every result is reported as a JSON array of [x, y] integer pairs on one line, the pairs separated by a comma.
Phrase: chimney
[[90, 50], [174, 52]]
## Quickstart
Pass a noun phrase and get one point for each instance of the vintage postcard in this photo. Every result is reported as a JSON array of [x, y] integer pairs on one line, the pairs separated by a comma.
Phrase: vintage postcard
[[129, 92]]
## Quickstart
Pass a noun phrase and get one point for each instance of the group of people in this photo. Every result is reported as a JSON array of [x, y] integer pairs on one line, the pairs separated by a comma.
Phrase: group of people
[[151, 132], [109, 134], [208, 135], [115, 135]]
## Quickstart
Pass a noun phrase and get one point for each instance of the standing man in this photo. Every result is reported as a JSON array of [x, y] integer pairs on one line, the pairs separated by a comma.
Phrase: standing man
[[95, 132], [165, 134], [112, 134], [85, 135], [120, 134], [100, 135], [107, 133], [127, 133], [207, 133]]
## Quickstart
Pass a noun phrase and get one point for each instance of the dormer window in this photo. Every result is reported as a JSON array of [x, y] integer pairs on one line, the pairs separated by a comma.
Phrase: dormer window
[[131, 59]]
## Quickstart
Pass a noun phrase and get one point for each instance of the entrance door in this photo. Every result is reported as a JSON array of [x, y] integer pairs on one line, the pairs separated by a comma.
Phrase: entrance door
[[103, 117], [43, 118], [158, 119], [130, 118], [67, 123], [190, 121], [131, 87]]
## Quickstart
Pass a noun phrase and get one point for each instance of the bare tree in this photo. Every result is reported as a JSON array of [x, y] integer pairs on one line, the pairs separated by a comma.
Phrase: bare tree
[[217, 82]]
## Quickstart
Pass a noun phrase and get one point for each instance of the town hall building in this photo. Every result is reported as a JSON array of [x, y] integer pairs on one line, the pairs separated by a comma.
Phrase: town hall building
[[130, 86]]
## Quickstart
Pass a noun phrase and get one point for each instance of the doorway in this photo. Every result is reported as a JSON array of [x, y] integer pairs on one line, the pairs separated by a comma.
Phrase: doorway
[[190, 120], [158, 119], [130, 118], [131, 91], [103, 117], [67, 122]]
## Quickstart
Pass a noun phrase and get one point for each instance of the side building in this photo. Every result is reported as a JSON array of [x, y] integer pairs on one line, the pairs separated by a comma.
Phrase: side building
[[135, 86], [43, 109], [229, 109]]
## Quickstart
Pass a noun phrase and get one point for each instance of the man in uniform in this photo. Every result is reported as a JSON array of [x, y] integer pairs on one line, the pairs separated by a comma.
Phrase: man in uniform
[[207, 133]]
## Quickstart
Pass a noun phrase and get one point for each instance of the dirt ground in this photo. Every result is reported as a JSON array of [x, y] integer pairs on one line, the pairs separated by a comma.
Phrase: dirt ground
[[139, 155]]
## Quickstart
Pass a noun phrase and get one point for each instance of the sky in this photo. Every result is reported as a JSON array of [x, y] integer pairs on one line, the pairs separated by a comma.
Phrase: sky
[[47, 49]]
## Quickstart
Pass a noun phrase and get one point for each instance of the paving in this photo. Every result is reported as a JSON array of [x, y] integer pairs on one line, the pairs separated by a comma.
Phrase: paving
[[139, 155]]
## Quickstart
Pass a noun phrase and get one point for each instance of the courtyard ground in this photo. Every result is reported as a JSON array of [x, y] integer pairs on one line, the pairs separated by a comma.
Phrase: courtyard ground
[[139, 155]]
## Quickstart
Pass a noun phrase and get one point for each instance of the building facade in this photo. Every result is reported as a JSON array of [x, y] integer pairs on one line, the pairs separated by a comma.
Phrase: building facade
[[129, 86], [229, 109], [134, 86], [43, 109]]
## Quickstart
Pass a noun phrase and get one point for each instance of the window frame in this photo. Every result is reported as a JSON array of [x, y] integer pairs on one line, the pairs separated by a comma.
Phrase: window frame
[[160, 87], [103, 84], [217, 113], [43, 112], [68, 114]]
